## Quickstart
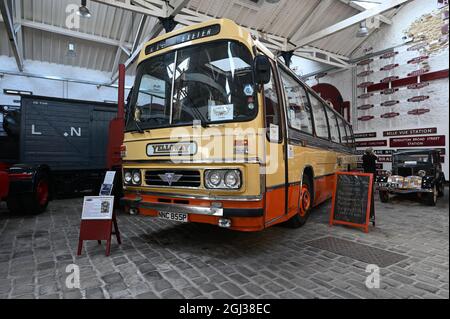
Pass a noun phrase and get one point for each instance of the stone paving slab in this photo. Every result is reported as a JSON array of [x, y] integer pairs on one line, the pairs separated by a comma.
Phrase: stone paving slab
[[162, 259]]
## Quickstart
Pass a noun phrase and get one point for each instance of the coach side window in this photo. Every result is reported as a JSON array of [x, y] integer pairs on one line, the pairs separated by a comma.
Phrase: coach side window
[[272, 106], [351, 140], [298, 110], [320, 117], [334, 128], [342, 131]]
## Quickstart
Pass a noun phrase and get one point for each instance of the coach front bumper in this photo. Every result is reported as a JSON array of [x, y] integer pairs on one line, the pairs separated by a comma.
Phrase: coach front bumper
[[215, 209]]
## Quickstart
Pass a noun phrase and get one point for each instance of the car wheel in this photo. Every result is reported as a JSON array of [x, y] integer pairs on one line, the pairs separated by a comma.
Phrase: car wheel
[[431, 198], [441, 189], [305, 205], [384, 196]]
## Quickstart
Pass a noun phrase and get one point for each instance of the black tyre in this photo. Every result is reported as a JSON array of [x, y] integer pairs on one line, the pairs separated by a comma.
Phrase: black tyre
[[440, 189], [431, 198], [384, 196], [305, 205], [37, 201], [14, 203]]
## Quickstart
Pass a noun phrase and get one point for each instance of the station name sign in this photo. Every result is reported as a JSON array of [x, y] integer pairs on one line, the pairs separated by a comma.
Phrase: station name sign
[[365, 135], [371, 143], [183, 37], [438, 140], [415, 131]]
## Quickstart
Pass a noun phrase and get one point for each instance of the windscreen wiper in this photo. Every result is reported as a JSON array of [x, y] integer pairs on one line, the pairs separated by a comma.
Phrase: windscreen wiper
[[140, 130]]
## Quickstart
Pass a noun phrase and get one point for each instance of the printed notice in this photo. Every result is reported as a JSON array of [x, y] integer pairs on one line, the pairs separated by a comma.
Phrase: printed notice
[[97, 207], [218, 113]]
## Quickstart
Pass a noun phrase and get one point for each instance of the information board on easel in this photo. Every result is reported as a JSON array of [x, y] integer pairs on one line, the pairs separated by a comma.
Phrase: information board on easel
[[98, 217], [351, 202]]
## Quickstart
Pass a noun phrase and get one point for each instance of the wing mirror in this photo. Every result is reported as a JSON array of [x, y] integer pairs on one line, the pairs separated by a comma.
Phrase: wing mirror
[[261, 70]]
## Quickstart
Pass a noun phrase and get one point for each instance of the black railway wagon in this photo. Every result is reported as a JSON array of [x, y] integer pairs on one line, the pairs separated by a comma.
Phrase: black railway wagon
[[69, 136]]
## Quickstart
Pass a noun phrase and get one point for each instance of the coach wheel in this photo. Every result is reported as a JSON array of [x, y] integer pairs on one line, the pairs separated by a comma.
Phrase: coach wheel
[[305, 204]]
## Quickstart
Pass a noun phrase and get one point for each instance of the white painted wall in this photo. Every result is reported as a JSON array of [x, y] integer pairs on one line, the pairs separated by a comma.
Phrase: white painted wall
[[388, 37], [54, 88]]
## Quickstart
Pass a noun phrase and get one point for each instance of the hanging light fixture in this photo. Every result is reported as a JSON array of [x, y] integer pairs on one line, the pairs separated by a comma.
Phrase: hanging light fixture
[[362, 31], [83, 11]]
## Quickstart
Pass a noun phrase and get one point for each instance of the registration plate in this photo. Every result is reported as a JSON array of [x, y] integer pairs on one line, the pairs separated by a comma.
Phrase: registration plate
[[178, 217]]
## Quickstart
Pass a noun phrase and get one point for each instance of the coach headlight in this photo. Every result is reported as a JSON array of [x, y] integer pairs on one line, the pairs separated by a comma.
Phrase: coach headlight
[[127, 177], [232, 179], [136, 177], [223, 179]]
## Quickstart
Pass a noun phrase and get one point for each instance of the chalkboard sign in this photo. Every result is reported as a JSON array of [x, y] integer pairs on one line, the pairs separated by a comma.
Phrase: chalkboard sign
[[351, 199]]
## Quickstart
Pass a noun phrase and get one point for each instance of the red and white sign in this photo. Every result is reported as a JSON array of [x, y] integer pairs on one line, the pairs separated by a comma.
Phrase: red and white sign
[[365, 73], [365, 62], [389, 103], [388, 55], [365, 107], [366, 118], [418, 59], [417, 47], [384, 159], [389, 79], [419, 141], [365, 135], [389, 91], [389, 115], [364, 85], [419, 111], [419, 72], [416, 86], [412, 131], [389, 67], [419, 98], [371, 143], [365, 96]]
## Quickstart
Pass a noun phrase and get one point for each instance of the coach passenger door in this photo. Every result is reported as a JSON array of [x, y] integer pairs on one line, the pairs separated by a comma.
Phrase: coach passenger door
[[275, 174]]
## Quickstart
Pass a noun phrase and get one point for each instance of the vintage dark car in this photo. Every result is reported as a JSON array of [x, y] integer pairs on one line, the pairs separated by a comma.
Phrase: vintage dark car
[[418, 171]]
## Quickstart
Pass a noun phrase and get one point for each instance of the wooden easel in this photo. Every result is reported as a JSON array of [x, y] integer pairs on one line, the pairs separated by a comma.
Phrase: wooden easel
[[99, 230]]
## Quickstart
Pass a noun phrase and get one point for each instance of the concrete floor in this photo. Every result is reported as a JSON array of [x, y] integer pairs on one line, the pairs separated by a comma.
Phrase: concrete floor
[[160, 259]]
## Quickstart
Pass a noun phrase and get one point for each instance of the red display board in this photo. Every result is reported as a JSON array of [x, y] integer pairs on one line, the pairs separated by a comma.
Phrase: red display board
[[99, 230], [352, 197]]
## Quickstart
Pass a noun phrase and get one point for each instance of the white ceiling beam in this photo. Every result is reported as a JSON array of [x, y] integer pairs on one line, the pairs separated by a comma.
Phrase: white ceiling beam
[[175, 8], [154, 8], [320, 51], [6, 13], [316, 13], [358, 7], [72, 33], [342, 25], [18, 30], [328, 61], [139, 31], [125, 33]]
